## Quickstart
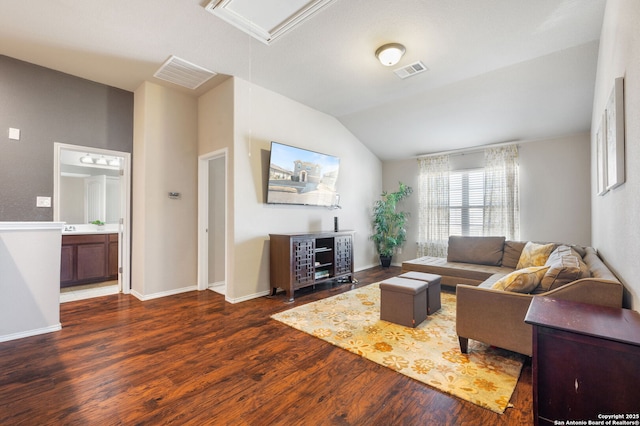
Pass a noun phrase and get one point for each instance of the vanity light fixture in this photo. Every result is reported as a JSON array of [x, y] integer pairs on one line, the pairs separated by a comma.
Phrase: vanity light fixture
[[389, 54], [115, 162], [86, 159], [101, 161]]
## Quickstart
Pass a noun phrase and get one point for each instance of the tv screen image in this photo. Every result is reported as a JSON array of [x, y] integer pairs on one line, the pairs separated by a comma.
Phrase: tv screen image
[[300, 176]]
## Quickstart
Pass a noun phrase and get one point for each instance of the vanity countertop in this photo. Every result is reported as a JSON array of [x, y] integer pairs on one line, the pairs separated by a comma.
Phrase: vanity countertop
[[89, 229]]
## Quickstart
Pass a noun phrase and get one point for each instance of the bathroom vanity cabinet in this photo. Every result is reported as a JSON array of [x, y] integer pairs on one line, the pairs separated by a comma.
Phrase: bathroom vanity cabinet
[[88, 258]]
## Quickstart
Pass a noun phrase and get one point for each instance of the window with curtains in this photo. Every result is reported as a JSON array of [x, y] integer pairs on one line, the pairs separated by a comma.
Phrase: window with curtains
[[475, 202]]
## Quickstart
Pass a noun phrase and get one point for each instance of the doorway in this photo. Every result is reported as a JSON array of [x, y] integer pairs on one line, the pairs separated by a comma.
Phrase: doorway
[[91, 194], [212, 222]]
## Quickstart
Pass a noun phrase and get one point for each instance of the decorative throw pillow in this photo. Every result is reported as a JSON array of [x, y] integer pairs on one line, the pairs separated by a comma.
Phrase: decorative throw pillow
[[565, 265], [534, 255], [522, 280]]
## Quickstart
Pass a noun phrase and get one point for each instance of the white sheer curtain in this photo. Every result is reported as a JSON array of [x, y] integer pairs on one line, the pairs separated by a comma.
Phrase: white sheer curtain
[[433, 206], [502, 199]]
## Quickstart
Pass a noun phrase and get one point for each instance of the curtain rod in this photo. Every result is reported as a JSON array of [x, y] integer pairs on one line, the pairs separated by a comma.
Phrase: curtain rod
[[470, 150]]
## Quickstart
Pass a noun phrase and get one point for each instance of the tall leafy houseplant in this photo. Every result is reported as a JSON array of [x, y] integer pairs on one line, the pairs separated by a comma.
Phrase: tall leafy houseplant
[[388, 224]]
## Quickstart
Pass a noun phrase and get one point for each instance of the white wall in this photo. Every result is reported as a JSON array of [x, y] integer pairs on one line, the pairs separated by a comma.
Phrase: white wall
[[30, 302], [554, 191], [164, 159], [262, 116], [405, 171], [217, 225], [616, 223]]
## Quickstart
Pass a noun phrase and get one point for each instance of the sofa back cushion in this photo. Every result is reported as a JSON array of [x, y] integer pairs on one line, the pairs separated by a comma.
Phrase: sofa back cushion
[[512, 251], [478, 250], [597, 267]]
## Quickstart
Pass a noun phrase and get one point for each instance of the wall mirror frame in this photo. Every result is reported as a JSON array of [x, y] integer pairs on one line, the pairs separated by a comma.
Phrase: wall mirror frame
[[62, 153]]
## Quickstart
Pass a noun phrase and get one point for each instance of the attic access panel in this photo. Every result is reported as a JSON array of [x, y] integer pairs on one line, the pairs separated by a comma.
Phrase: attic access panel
[[265, 20]]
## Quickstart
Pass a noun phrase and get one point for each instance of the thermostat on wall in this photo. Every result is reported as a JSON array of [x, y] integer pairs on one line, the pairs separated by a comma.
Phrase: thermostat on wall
[[174, 195]]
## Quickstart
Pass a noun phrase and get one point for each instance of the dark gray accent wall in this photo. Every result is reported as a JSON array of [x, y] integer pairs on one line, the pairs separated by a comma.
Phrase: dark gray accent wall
[[49, 106]]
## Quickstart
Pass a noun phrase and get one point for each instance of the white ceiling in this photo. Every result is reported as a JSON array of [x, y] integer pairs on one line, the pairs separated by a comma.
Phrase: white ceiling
[[499, 70]]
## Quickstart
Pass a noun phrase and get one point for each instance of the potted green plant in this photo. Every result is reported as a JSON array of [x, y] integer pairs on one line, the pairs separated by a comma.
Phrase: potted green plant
[[388, 223]]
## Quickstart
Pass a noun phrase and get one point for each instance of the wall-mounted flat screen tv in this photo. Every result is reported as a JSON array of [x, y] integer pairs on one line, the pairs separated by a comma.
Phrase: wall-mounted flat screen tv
[[300, 176]]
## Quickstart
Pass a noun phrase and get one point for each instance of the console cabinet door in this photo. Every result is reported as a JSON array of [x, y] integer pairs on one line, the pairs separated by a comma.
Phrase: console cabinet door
[[303, 261], [344, 254]]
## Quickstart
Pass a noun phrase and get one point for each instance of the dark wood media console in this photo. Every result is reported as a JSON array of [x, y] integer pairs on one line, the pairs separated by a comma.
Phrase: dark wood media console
[[301, 260]]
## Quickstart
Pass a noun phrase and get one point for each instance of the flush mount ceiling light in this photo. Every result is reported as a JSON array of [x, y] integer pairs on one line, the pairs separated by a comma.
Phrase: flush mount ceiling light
[[390, 54]]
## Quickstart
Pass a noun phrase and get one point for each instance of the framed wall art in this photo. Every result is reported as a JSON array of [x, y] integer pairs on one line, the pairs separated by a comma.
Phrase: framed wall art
[[614, 117], [601, 156]]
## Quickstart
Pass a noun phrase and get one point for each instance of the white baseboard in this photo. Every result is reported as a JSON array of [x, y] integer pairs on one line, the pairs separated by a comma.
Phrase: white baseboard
[[144, 297], [30, 333], [248, 297]]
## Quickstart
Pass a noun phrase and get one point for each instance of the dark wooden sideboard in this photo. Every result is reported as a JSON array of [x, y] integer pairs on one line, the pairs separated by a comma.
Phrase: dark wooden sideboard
[[301, 260], [586, 362], [88, 258]]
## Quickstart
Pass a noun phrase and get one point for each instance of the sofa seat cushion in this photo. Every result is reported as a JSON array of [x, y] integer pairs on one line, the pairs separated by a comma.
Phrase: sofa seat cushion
[[454, 273], [476, 250], [522, 280]]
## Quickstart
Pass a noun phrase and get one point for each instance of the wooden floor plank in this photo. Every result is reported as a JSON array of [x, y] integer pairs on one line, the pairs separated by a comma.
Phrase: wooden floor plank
[[195, 359]]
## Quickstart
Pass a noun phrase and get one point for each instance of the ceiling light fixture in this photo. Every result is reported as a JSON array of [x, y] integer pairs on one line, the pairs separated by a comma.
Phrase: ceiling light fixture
[[390, 53]]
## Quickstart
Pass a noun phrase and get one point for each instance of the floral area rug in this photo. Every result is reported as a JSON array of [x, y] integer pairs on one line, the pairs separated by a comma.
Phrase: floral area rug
[[428, 353]]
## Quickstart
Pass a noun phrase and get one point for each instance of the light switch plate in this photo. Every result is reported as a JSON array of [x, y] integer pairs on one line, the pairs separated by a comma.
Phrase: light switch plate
[[14, 134], [43, 201]]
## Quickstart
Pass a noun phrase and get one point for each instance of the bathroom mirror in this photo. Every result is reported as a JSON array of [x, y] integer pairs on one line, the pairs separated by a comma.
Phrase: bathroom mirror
[[95, 184], [89, 187]]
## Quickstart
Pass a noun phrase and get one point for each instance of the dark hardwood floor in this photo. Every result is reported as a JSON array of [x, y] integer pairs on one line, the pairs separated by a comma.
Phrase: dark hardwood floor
[[195, 359]]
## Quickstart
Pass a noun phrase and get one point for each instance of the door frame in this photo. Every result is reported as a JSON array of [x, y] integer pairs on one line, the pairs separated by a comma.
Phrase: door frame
[[203, 217], [124, 229]]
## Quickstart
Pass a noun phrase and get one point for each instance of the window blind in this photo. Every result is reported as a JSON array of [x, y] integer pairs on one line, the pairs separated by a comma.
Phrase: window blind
[[466, 202]]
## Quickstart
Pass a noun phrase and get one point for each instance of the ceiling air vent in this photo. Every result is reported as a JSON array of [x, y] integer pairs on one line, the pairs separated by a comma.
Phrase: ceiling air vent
[[409, 70], [183, 73]]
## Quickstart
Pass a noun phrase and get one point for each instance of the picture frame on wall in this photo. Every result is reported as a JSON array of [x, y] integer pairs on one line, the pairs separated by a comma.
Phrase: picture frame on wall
[[601, 157], [614, 117]]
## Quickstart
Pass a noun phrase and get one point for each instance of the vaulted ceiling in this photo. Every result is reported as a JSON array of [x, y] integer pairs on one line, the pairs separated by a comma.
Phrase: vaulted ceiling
[[498, 70]]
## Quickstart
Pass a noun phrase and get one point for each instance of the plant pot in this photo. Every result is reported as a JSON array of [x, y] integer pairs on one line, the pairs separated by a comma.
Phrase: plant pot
[[385, 261]]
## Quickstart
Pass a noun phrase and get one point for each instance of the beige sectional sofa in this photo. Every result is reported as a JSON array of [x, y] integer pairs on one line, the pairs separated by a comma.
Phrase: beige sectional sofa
[[478, 268]]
